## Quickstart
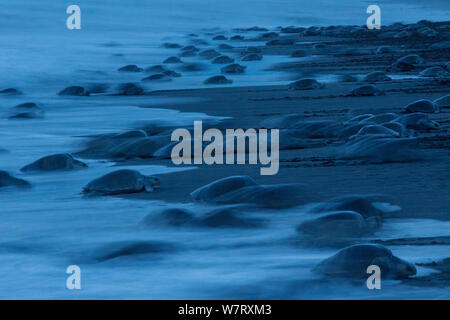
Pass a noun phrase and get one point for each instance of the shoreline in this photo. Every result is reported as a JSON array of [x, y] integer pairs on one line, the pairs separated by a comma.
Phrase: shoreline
[[323, 150], [239, 103]]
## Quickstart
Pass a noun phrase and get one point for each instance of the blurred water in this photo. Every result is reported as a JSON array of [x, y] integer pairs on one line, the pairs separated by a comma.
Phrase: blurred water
[[51, 226], [36, 47]]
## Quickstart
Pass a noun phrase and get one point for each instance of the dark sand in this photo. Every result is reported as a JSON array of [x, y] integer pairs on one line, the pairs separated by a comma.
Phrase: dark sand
[[426, 182]]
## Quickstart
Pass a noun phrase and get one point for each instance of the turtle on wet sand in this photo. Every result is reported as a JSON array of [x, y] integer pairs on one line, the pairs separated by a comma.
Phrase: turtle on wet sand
[[122, 182]]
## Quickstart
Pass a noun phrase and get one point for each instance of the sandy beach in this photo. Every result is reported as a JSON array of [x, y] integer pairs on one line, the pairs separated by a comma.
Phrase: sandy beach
[[361, 116], [326, 177]]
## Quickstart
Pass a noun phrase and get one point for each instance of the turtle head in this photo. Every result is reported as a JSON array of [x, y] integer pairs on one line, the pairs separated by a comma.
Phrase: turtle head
[[403, 268], [428, 124], [395, 268], [79, 164], [152, 182]]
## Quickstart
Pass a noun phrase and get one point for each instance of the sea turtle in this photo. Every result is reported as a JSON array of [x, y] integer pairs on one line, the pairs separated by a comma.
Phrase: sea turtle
[[185, 54], [233, 68], [396, 26], [380, 118], [28, 110], [130, 68], [199, 42], [220, 37], [397, 127], [156, 69], [292, 29], [436, 72], [73, 91], [427, 32], [193, 67], [7, 180], [376, 129], [131, 134], [401, 67], [10, 92], [353, 262], [270, 196], [252, 57], [442, 101], [336, 224], [407, 63], [171, 73], [412, 59], [417, 121], [208, 54], [251, 50], [280, 42], [190, 48], [26, 105], [254, 28], [424, 106], [224, 46], [217, 80], [242, 189], [376, 76], [172, 60], [130, 248], [165, 152], [222, 60], [347, 78], [376, 149], [219, 187], [269, 35], [168, 217], [306, 84], [237, 38], [134, 143], [360, 117], [311, 31], [350, 129], [366, 90], [120, 182], [403, 34], [225, 217], [63, 161], [170, 45], [97, 87], [129, 89], [157, 77], [367, 205], [139, 148]]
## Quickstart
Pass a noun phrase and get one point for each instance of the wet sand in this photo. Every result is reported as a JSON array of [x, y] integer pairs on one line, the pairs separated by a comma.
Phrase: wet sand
[[426, 182], [420, 187]]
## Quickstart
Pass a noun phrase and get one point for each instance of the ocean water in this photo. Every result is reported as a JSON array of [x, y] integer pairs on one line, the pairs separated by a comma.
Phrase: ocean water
[[37, 49], [52, 226]]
